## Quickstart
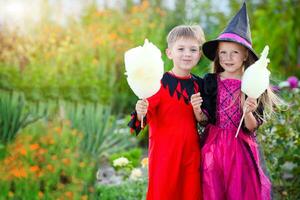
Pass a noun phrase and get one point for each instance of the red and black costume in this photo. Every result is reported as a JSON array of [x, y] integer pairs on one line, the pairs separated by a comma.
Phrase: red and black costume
[[174, 151]]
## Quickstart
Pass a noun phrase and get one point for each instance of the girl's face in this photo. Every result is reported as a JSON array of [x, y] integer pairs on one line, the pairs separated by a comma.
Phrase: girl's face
[[185, 54], [232, 57]]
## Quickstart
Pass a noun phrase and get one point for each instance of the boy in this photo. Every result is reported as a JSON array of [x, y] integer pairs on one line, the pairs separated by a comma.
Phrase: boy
[[174, 150]]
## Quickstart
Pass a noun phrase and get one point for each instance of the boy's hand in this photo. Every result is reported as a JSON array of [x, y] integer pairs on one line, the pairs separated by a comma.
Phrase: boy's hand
[[251, 105], [196, 101], [141, 108]]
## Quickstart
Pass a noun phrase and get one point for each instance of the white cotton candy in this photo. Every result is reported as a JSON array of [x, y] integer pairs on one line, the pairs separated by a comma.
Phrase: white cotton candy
[[144, 69], [256, 78]]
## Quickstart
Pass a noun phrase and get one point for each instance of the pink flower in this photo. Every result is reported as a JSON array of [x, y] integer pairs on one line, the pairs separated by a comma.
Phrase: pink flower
[[275, 88], [293, 81]]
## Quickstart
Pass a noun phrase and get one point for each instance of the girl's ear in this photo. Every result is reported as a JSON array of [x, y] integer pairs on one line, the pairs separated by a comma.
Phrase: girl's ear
[[169, 53]]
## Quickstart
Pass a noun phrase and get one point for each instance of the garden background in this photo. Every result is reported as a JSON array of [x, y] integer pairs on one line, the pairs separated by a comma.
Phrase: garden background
[[65, 102]]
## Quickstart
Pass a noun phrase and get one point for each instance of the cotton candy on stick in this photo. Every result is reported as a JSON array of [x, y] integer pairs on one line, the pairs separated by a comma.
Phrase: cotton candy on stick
[[256, 80], [144, 69]]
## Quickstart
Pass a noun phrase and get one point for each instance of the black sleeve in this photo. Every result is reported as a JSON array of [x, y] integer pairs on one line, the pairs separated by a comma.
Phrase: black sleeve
[[209, 96], [135, 124]]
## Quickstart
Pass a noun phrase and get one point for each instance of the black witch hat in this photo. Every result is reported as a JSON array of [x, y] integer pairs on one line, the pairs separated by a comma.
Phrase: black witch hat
[[238, 31]]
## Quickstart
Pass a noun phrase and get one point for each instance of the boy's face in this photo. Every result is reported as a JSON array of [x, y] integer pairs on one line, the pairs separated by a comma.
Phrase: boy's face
[[185, 54]]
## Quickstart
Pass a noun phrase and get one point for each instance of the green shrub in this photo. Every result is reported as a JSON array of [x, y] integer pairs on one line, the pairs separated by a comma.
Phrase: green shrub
[[101, 134], [280, 141], [129, 190], [14, 115], [133, 155]]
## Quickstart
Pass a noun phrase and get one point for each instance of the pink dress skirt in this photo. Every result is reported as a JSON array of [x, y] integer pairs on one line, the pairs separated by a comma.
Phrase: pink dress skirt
[[230, 167]]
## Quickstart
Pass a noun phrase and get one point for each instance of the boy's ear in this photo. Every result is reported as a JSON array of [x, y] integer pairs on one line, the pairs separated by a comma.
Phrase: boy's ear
[[168, 53]]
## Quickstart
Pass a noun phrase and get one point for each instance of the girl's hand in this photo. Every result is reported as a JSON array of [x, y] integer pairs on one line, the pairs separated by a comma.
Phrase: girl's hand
[[196, 101], [251, 105], [141, 108]]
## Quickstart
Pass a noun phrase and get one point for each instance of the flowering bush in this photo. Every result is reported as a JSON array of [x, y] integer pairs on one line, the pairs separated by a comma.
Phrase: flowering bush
[[80, 62], [120, 162], [45, 162], [292, 82], [131, 188], [280, 140]]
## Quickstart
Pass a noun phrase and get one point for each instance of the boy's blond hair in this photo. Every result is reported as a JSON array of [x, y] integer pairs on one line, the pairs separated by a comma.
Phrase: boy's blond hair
[[186, 31]]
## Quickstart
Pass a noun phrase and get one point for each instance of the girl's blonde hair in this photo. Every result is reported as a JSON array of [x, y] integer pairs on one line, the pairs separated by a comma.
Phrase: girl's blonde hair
[[269, 100], [186, 31]]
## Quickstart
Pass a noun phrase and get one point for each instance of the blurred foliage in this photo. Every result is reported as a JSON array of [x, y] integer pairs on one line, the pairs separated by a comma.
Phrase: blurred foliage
[[276, 23], [45, 162], [82, 62], [101, 134], [15, 115], [77, 67], [128, 190], [280, 141]]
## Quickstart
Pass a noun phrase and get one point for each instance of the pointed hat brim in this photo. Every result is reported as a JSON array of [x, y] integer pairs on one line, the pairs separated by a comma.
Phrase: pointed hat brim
[[237, 30], [210, 47]]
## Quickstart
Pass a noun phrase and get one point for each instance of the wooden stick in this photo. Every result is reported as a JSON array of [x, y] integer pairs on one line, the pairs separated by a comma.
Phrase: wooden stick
[[142, 121], [237, 132]]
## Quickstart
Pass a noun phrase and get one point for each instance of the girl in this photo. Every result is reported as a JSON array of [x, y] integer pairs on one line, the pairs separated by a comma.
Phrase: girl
[[230, 167], [174, 150]]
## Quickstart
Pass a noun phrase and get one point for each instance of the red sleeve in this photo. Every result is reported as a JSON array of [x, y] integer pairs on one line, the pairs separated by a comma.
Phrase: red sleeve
[[134, 123]]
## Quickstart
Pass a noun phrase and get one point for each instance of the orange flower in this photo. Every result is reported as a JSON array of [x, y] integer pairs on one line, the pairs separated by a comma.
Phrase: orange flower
[[23, 152], [145, 5], [66, 161], [34, 168], [58, 130], [41, 194], [113, 36], [128, 30], [9, 160], [51, 141], [69, 194], [19, 172], [50, 167], [54, 157], [34, 146], [42, 151]]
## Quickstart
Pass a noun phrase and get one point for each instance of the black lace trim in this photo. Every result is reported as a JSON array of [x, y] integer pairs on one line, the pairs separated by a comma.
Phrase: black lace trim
[[183, 88]]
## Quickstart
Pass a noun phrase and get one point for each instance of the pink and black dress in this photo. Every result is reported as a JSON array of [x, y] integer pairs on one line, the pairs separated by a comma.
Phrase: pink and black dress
[[230, 167]]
